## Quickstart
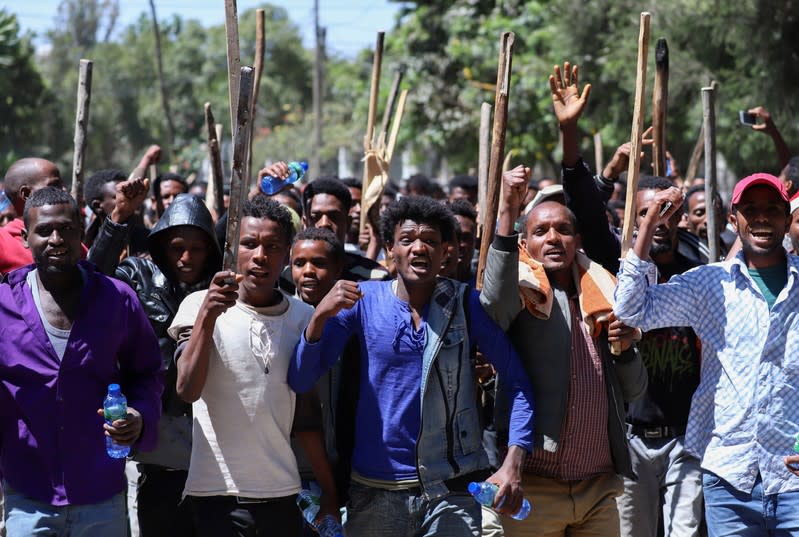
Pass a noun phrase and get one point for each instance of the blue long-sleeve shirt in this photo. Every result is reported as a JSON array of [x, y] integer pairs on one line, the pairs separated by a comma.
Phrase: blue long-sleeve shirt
[[389, 407]]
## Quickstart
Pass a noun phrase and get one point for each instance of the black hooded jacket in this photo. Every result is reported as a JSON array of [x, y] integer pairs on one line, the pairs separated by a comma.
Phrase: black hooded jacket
[[157, 287]]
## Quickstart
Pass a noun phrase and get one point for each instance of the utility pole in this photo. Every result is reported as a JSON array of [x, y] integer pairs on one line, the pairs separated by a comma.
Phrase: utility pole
[[315, 167], [170, 128]]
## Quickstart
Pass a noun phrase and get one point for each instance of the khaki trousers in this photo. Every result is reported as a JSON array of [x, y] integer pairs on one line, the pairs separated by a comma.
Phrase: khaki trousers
[[569, 508]]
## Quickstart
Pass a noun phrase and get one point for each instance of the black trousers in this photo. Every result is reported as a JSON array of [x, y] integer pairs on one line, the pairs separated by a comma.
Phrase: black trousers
[[161, 512], [232, 516]]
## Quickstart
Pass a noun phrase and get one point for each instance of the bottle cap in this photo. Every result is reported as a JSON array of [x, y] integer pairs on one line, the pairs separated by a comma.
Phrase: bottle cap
[[474, 488], [113, 387]]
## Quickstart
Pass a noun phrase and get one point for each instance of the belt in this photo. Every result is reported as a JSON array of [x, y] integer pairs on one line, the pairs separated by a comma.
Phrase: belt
[[663, 431], [456, 484]]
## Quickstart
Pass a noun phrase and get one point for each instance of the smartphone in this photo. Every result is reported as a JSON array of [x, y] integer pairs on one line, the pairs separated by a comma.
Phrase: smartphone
[[747, 119], [664, 209]]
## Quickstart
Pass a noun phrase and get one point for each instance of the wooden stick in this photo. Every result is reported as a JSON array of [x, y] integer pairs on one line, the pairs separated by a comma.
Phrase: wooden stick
[[260, 47], [170, 126], [395, 125], [598, 153], [482, 164], [81, 128], [392, 100], [633, 170], [233, 59], [372, 115], [696, 154], [709, 124], [497, 149], [238, 184], [314, 170], [660, 103], [215, 158]]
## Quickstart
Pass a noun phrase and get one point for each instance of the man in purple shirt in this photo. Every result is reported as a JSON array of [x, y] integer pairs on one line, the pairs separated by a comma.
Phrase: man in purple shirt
[[66, 333]]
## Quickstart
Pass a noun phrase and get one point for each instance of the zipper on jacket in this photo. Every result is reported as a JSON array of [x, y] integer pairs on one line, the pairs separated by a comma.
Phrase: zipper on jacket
[[450, 419]]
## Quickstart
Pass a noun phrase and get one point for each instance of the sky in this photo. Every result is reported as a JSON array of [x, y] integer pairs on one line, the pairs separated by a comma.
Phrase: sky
[[351, 24]]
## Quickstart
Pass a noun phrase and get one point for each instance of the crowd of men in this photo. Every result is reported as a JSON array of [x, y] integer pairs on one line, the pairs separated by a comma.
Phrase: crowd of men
[[360, 359]]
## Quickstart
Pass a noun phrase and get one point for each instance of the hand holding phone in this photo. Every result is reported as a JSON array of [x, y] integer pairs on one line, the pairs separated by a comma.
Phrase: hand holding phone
[[746, 118]]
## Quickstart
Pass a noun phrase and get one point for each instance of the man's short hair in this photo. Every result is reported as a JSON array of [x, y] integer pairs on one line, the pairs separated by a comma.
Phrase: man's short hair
[[324, 235], [352, 182], [700, 188], [390, 190], [521, 223], [168, 176], [49, 196], [93, 189], [421, 184], [420, 209], [263, 207], [326, 185], [461, 207], [792, 171], [466, 182], [653, 182]]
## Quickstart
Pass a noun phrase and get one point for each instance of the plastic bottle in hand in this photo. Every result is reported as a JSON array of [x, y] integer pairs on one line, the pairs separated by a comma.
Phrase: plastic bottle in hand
[[308, 502], [484, 492], [272, 185], [115, 407]]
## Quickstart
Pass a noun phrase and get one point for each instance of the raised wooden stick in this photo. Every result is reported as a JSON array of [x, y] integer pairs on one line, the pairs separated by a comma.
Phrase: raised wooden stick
[[483, 157], [497, 149], [709, 125], [660, 103], [81, 128], [395, 125], [392, 101], [696, 154], [260, 46], [598, 150], [215, 158], [633, 169], [374, 91], [238, 184], [233, 59]]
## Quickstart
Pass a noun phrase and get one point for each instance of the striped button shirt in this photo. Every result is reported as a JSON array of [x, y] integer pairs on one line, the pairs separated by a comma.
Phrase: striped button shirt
[[584, 449], [745, 411]]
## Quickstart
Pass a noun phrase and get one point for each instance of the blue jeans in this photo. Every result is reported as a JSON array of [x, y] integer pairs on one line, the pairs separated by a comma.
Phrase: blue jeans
[[729, 511], [403, 513], [26, 516]]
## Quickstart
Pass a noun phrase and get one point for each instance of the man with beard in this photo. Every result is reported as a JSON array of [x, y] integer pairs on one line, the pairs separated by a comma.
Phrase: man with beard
[[745, 411]]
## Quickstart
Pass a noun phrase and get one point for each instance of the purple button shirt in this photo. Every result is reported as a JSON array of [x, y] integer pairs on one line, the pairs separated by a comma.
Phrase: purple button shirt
[[52, 446]]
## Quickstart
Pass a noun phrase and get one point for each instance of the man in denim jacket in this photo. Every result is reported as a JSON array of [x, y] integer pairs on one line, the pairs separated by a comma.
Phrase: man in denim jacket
[[417, 439]]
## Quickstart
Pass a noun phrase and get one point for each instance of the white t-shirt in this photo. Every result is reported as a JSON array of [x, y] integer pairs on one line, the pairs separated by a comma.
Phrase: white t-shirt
[[242, 421]]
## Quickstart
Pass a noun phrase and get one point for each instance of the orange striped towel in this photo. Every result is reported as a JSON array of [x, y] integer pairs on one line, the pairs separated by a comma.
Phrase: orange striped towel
[[594, 289]]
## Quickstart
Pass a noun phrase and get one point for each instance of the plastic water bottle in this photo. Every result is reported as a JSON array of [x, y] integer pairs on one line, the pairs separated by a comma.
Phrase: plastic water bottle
[[308, 503], [272, 185], [484, 493], [115, 407]]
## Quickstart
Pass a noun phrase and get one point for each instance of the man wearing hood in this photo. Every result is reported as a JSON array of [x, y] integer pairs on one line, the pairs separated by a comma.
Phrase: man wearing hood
[[185, 255]]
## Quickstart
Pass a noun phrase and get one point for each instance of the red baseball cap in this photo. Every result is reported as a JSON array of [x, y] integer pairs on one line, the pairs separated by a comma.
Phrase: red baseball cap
[[758, 179]]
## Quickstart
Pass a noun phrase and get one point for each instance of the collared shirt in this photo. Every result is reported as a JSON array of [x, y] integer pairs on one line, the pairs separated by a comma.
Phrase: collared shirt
[[584, 450], [52, 443], [745, 411]]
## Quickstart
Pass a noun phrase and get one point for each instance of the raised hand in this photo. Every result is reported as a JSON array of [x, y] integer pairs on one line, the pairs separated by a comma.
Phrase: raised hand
[[567, 100], [129, 197], [343, 295], [621, 158], [278, 169], [222, 293]]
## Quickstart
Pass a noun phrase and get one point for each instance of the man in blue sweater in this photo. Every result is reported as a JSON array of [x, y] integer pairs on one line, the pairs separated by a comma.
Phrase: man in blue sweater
[[417, 436]]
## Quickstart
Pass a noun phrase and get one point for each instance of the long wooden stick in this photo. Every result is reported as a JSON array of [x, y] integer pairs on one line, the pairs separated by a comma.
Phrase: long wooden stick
[[215, 157], [696, 155], [483, 157], [497, 149], [170, 126], [374, 92], [238, 184], [81, 128], [260, 47], [633, 169], [233, 59], [709, 124], [660, 103], [315, 168], [391, 103], [599, 161], [395, 125]]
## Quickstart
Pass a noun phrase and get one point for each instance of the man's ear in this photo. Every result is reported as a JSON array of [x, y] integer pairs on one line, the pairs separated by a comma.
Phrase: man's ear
[[94, 205], [732, 220], [25, 192], [24, 235]]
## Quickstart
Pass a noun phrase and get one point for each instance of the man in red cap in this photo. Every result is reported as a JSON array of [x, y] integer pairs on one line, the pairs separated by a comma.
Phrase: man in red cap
[[745, 412]]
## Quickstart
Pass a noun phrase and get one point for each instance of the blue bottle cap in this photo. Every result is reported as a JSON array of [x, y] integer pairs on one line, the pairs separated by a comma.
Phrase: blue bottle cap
[[113, 387]]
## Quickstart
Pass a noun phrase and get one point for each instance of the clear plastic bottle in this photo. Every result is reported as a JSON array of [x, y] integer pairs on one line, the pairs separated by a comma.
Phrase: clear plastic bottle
[[484, 493], [272, 185], [115, 407], [308, 502]]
